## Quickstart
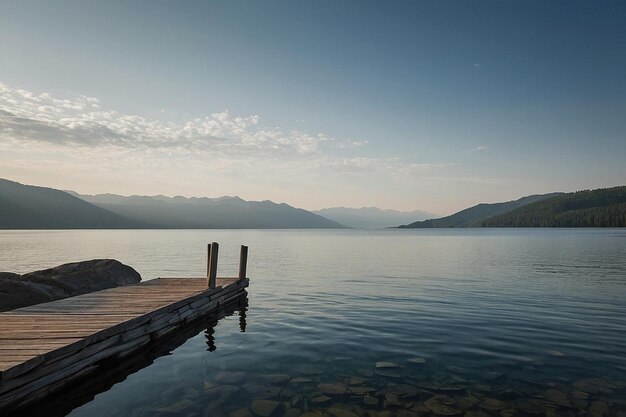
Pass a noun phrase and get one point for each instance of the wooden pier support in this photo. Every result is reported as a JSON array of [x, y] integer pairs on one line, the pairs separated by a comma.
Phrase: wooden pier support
[[243, 262], [213, 254]]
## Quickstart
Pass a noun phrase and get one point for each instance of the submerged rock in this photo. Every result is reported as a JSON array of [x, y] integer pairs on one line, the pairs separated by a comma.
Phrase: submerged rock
[[177, 407], [558, 397], [442, 405], [340, 412], [418, 361], [241, 412], [386, 365], [332, 389], [264, 408]]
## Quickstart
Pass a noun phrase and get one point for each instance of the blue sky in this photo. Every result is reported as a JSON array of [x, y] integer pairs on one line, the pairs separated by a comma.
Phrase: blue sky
[[432, 105]]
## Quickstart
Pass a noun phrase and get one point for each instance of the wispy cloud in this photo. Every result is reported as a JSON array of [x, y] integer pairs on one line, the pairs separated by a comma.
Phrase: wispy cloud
[[477, 149]]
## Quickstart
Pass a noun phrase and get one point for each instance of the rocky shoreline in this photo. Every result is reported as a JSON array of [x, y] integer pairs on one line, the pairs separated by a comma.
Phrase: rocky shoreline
[[67, 280]]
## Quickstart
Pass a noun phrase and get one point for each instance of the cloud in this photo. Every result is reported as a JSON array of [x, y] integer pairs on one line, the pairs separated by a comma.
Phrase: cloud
[[79, 140], [79, 121], [478, 149]]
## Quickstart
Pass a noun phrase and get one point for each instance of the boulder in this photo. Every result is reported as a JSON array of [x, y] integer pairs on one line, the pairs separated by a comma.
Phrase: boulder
[[63, 281]]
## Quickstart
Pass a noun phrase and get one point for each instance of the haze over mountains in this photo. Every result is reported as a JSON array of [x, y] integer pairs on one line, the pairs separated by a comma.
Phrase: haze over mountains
[[372, 217], [210, 213]]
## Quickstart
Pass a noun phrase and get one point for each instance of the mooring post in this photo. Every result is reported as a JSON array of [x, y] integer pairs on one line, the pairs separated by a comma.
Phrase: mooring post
[[213, 265], [208, 261], [243, 261]]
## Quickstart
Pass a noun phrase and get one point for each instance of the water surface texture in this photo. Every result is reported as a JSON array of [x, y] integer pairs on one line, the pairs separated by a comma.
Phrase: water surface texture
[[387, 323]]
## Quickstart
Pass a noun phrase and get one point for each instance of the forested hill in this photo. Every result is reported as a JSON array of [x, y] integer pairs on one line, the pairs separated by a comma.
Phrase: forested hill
[[471, 217], [604, 207]]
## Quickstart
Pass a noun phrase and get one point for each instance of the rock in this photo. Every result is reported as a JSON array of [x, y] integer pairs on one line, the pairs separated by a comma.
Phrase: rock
[[63, 281], [418, 361], [340, 412], [322, 399], [356, 380], [508, 412], [300, 380], [307, 369], [264, 408], [558, 397], [241, 412], [177, 407], [276, 379], [599, 409], [467, 401], [492, 404], [292, 412], [370, 401], [404, 390], [362, 390], [473, 413], [386, 365], [406, 413], [222, 392], [391, 400], [388, 373], [442, 405], [530, 407], [594, 386], [332, 389], [556, 353]]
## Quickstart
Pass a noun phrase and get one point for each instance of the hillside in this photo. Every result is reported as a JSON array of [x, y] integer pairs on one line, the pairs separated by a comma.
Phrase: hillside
[[210, 213], [30, 207], [605, 207], [473, 216], [371, 217]]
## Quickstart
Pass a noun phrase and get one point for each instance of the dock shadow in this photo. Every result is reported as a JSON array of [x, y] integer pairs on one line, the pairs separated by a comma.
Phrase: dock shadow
[[111, 372]]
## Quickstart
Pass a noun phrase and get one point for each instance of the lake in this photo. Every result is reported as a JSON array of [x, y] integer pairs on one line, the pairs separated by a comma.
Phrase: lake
[[404, 323]]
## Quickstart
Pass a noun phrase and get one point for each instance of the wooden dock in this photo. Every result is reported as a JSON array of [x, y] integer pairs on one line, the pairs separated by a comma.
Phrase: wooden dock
[[45, 347]]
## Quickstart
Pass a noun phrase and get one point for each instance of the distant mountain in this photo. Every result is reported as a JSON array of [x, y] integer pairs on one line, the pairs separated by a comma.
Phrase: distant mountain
[[473, 216], [604, 207], [30, 207], [371, 217], [209, 213]]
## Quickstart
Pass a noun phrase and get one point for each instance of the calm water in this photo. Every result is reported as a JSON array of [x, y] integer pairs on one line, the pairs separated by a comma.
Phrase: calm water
[[474, 322]]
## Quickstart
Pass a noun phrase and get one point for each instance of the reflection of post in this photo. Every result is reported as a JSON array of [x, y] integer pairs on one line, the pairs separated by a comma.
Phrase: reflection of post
[[210, 339], [243, 261], [242, 319], [213, 264]]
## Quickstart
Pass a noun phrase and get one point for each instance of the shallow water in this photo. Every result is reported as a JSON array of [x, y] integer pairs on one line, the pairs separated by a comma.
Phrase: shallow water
[[506, 322]]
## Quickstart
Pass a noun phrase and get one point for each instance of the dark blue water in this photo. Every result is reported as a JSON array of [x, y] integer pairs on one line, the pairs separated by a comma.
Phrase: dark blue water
[[379, 323]]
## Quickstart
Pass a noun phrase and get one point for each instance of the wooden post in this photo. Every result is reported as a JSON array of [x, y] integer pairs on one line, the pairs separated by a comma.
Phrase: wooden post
[[243, 261], [208, 261], [213, 265]]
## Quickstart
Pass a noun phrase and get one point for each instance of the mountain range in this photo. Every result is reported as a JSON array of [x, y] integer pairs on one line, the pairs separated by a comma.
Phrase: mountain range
[[31, 207], [603, 207]]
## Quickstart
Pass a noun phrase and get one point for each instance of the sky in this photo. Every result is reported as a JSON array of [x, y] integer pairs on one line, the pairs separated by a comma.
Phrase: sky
[[429, 105]]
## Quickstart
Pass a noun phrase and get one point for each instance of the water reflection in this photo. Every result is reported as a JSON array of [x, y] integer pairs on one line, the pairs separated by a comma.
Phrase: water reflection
[[113, 372]]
